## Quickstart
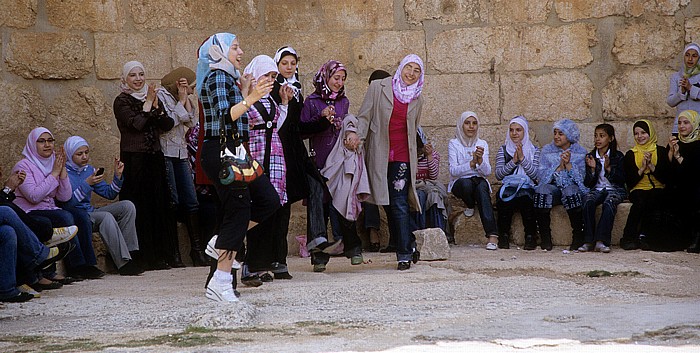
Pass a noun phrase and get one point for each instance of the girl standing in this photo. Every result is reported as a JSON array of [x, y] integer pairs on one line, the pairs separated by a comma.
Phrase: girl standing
[[684, 91]]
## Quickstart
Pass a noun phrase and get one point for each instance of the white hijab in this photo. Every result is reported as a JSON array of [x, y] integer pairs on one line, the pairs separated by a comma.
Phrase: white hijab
[[528, 147], [461, 136], [260, 66], [140, 94]]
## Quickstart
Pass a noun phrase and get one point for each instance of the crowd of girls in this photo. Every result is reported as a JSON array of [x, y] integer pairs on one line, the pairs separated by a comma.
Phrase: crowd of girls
[[382, 156]]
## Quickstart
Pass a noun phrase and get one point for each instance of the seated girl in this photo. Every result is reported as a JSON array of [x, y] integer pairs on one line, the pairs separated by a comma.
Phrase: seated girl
[[432, 195], [117, 221], [605, 177]]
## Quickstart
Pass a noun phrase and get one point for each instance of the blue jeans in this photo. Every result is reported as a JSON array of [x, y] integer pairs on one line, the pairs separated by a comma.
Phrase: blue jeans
[[475, 191], [429, 218], [62, 218], [398, 211], [179, 174], [84, 253], [20, 253], [372, 219], [602, 231]]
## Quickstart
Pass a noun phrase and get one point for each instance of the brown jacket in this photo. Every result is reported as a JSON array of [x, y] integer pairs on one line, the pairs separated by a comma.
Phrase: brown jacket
[[373, 128]]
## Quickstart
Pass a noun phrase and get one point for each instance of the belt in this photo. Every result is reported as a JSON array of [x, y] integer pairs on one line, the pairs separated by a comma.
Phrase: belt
[[267, 125]]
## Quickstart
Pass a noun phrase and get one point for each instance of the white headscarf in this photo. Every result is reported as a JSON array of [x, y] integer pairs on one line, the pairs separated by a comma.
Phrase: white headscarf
[[140, 94], [528, 147], [405, 94], [467, 141], [260, 66]]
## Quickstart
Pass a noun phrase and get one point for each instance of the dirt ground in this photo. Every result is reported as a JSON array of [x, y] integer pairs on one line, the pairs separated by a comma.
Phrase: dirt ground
[[502, 301]]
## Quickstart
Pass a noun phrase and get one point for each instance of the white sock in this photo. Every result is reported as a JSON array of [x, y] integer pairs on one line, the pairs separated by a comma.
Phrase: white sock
[[223, 276]]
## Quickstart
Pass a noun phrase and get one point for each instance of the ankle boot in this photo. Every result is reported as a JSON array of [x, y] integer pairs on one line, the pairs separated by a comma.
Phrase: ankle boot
[[175, 260], [504, 241], [576, 220], [199, 258], [530, 242], [544, 220]]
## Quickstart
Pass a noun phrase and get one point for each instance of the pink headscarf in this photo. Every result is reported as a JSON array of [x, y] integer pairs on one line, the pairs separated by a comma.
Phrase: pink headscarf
[[30, 152], [405, 94]]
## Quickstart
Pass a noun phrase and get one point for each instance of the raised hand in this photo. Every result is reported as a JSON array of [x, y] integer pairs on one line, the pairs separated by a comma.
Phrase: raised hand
[[246, 84], [16, 179], [519, 156], [94, 178], [286, 94], [118, 168], [590, 161], [182, 90], [262, 88]]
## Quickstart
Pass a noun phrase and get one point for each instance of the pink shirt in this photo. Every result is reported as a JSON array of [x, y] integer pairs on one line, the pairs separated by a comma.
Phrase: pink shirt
[[38, 192], [398, 133]]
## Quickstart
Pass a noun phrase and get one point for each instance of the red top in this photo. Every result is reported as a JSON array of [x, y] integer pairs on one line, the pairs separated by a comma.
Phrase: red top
[[398, 133]]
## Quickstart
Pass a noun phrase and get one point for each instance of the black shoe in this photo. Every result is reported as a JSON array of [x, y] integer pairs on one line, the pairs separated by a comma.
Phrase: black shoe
[[266, 277], [66, 280], [626, 244], [283, 275], [388, 249], [87, 272], [61, 250], [530, 242], [49, 286], [415, 256], [19, 298], [252, 281], [373, 247], [157, 265], [130, 269], [403, 265]]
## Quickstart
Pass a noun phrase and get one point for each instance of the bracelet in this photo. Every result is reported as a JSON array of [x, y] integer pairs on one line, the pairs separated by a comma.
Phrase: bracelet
[[245, 104]]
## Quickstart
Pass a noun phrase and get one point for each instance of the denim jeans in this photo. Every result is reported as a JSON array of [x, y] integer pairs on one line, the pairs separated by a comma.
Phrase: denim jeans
[[602, 231], [20, 253], [348, 229], [179, 174], [84, 253], [372, 219], [429, 218], [475, 191], [398, 211], [59, 218]]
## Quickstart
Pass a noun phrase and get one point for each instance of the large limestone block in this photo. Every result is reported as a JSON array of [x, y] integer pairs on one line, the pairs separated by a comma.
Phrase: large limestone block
[[185, 47], [573, 10], [18, 13], [548, 96], [48, 55], [432, 244], [23, 109], [519, 11], [464, 50], [446, 12], [692, 35], [104, 16], [447, 96], [385, 49], [230, 16], [637, 93], [329, 15], [112, 51], [647, 41]]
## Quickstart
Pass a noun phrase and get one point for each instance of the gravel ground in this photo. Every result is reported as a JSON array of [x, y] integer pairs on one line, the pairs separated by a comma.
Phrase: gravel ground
[[502, 301]]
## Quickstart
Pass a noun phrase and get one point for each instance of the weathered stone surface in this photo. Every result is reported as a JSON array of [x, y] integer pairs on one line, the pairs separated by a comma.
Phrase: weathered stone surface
[[547, 97], [18, 13], [384, 50], [692, 35], [185, 47], [329, 15], [112, 51], [572, 10], [519, 11], [448, 12], [226, 15], [647, 41], [475, 92], [637, 93], [512, 49], [105, 16], [23, 109], [432, 244], [48, 55]]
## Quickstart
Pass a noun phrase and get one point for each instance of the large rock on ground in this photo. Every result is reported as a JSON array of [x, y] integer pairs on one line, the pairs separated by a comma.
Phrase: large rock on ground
[[432, 244]]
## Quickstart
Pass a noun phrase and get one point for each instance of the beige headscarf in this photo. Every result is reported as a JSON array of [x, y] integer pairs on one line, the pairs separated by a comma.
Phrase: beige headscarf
[[140, 94], [169, 81]]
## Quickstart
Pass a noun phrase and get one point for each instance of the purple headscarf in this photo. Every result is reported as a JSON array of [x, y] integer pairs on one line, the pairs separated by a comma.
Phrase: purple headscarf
[[30, 152], [406, 94], [321, 78]]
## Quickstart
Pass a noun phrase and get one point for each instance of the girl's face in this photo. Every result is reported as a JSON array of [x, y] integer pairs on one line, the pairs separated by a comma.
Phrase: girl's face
[[560, 140], [410, 73], [81, 157], [470, 127], [684, 126], [640, 136], [235, 54], [602, 139], [337, 81], [136, 79], [517, 133], [270, 76], [45, 144], [287, 66], [691, 58]]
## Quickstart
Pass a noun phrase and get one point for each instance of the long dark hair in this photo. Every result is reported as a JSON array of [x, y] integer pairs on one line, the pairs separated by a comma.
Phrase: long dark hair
[[610, 131]]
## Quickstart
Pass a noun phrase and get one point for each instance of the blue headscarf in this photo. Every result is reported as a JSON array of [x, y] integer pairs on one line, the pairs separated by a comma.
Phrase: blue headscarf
[[70, 146], [569, 128], [213, 54]]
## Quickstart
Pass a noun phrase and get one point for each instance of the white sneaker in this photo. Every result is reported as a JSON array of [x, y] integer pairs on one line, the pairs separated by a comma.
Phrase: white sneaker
[[468, 212], [221, 292], [491, 246], [61, 235], [212, 252]]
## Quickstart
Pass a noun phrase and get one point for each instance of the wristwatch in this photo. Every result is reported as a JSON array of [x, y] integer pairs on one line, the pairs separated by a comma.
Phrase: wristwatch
[[7, 190]]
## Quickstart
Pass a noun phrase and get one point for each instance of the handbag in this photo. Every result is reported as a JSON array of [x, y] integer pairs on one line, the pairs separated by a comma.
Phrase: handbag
[[237, 169], [512, 184]]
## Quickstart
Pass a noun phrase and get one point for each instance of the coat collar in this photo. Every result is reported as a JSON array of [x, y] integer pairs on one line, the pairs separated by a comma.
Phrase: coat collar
[[389, 94]]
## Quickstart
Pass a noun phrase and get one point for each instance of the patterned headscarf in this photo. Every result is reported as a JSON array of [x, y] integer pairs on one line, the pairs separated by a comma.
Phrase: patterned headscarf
[[569, 128], [528, 147], [140, 94], [213, 55], [30, 151], [321, 78], [692, 116], [70, 146], [649, 146], [459, 134], [292, 82], [690, 71], [260, 66], [406, 94]]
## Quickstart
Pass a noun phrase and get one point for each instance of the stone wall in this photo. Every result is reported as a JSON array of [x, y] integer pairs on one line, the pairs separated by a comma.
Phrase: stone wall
[[590, 60]]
